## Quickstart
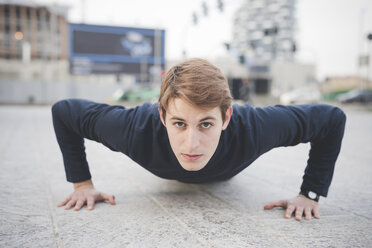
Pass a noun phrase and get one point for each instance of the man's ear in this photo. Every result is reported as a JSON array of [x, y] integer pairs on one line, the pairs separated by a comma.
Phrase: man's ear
[[161, 115], [229, 113]]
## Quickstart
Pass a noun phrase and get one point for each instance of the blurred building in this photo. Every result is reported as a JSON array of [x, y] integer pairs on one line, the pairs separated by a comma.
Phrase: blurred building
[[264, 30], [31, 31], [342, 83], [332, 87], [33, 41], [264, 41], [34, 50]]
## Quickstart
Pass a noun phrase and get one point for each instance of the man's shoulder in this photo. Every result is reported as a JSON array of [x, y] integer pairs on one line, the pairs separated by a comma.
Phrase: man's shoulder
[[147, 110], [146, 116], [242, 112], [146, 107]]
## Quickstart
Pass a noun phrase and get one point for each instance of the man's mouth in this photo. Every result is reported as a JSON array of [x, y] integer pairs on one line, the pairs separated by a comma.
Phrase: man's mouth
[[191, 157]]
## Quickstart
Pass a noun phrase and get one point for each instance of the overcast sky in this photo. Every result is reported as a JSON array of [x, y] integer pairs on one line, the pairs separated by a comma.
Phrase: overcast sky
[[330, 33]]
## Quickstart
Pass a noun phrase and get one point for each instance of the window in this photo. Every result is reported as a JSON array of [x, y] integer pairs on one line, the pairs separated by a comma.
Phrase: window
[[18, 16], [28, 14], [6, 11], [7, 19]]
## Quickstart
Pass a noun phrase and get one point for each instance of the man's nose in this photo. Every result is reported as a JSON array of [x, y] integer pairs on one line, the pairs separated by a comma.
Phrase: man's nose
[[192, 139]]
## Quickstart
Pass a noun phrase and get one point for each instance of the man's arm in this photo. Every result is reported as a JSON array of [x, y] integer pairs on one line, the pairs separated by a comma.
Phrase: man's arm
[[75, 120], [322, 126]]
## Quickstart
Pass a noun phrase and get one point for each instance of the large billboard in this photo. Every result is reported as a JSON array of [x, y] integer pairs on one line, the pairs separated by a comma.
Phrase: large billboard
[[115, 50]]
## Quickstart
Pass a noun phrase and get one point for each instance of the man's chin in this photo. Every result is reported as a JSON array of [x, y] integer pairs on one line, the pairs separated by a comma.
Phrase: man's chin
[[192, 167]]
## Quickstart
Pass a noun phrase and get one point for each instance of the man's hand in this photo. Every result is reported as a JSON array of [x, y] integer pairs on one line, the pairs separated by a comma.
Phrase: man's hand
[[300, 205], [85, 193]]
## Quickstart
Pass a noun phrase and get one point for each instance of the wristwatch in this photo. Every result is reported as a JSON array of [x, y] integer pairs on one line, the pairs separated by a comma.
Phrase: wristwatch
[[310, 194]]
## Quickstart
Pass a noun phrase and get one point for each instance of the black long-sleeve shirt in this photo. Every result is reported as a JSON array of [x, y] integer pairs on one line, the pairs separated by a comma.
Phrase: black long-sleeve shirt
[[139, 133]]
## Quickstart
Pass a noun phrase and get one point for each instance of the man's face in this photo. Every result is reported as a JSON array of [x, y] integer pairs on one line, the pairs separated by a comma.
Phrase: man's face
[[193, 133]]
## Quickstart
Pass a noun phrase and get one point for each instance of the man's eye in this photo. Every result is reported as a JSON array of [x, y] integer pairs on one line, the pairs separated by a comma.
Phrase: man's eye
[[179, 124], [206, 125]]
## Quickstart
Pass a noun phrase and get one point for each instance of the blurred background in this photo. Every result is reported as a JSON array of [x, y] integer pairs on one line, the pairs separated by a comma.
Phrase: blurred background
[[271, 51]]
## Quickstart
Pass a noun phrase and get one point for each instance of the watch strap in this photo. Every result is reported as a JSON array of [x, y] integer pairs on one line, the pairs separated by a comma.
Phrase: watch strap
[[310, 195]]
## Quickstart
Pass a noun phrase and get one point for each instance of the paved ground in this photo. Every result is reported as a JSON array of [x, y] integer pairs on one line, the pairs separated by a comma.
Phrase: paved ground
[[153, 212]]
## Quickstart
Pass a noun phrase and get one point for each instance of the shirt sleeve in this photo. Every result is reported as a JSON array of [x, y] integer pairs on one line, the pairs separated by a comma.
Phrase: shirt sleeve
[[321, 125], [76, 119]]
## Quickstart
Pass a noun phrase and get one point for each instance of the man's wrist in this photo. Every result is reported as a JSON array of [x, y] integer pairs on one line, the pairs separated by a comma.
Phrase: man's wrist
[[83, 184], [310, 195]]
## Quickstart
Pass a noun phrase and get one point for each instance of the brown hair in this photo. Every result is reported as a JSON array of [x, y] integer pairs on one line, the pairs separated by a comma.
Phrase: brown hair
[[198, 82]]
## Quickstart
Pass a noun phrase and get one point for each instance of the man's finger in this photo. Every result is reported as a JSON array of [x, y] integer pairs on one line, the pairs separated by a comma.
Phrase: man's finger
[[289, 211], [299, 213], [79, 205], [62, 203], [90, 203], [272, 205], [70, 204], [308, 213], [316, 212], [109, 198]]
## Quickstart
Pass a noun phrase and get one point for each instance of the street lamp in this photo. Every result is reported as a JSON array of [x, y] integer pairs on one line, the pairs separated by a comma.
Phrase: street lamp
[[369, 37], [18, 35]]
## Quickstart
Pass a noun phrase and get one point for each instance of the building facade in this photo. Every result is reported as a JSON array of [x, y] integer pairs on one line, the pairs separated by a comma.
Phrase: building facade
[[264, 38], [34, 65], [264, 30], [29, 31]]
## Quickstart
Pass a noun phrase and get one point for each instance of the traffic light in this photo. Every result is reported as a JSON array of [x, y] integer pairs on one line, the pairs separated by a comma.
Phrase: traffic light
[[369, 36], [294, 47], [227, 46], [205, 8], [195, 18], [220, 5], [242, 59]]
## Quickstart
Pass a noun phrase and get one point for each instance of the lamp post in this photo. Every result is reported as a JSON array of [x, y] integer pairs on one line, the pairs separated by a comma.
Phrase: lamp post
[[369, 37]]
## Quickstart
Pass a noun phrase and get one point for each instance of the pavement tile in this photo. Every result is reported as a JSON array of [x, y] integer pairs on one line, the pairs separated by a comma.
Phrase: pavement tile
[[133, 222], [328, 231], [26, 230]]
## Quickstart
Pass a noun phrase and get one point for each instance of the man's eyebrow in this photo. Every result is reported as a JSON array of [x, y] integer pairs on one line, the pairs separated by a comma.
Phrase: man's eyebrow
[[208, 118], [204, 119], [177, 119]]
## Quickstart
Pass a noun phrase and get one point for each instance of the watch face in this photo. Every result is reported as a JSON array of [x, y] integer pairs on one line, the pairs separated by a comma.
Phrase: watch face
[[312, 195]]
